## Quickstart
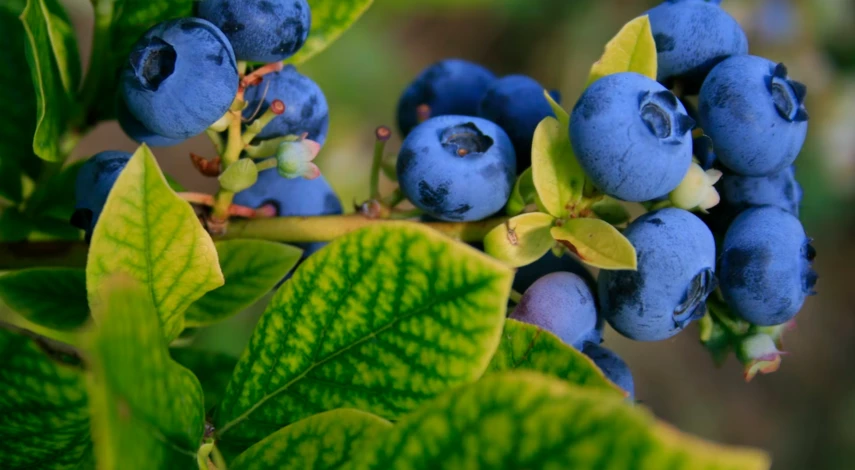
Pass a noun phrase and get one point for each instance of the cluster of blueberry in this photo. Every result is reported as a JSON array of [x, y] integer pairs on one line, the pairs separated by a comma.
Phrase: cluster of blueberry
[[468, 134], [183, 76]]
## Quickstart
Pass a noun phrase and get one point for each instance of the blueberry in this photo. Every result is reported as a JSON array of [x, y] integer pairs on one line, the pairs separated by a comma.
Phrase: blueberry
[[457, 168], [676, 266], [94, 182], [766, 266], [181, 77], [516, 103], [563, 304], [691, 38], [260, 30], [777, 189], [292, 198], [548, 264], [448, 87], [137, 131], [306, 109], [754, 114], [614, 368], [632, 137]]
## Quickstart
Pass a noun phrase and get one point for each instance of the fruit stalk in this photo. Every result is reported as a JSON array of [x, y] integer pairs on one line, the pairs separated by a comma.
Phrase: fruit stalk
[[223, 200], [383, 134]]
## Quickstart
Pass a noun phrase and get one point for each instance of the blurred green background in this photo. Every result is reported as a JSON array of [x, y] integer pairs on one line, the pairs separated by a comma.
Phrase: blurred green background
[[805, 413]]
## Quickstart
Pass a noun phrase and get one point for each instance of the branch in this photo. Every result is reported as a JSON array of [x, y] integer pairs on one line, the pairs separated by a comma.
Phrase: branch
[[22, 255]]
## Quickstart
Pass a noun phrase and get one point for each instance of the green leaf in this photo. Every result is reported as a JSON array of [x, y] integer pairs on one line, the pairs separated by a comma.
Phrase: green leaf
[[51, 297], [149, 233], [45, 420], [147, 411], [596, 243], [521, 240], [380, 320], [55, 71], [562, 115], [527, 420], [632, 50], [19, 120], [118, 25], [174, 184], [14, 225], [325, 441], [529, 347], [213, 369], [330, 19], [523, 194], [55, 197], [252, 268], [557, 175], [611, 210]]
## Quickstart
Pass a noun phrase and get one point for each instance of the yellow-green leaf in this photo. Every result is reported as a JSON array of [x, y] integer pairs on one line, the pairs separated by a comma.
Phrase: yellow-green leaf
[[380, 319], [562, 115], [521, 240], [530, 421], [45, 419], [557, 175], [330, 19], [147, 411], [632, 50], [529, 347], [252, 268], [147, 232], [611, 210], [55, 69], [523, 194], [325, 441], [213, 369], [596, 243], [51, 297]]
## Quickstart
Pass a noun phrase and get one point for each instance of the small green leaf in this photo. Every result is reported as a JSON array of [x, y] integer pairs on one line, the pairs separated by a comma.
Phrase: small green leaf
[[529, 347], [521, 240], [611, 210], [147, 411], [527, 420], [330, 19], [14, 225], [239, 176], [560, 114], [149, 233], [252, 268], [55, 68], [524, 193], [596, 243], [213, 369], [325, 441], [45, 419], [51, 297], [19, 120], [632, 50], [381, 319], [557, 175], [55, 197]]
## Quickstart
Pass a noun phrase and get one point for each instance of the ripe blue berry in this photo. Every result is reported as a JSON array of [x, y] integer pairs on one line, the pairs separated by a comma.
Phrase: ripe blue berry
[[766, 266], [676, 265], [691, 37], [448, 87], [94, 182], [548, 264], [754, 115], [632, 137], [777, 189], [516, 103], [306, 109], [261, 30], [181, 77], [457, 168], [613, 367], [292, 197], [137, 131], [563, 304]]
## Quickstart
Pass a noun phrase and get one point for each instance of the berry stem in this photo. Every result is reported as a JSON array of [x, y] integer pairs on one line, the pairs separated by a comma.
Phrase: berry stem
[[218, 221], [383, 134], [266, 164], [276, 108], [392, 200], [217, 140], [515, 297]]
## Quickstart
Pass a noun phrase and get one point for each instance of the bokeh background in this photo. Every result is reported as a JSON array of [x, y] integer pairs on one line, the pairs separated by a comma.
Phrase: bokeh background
[[805, 413]]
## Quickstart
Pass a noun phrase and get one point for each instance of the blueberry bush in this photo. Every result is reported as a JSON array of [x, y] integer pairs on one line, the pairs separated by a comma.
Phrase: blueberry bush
[[451, 323]]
